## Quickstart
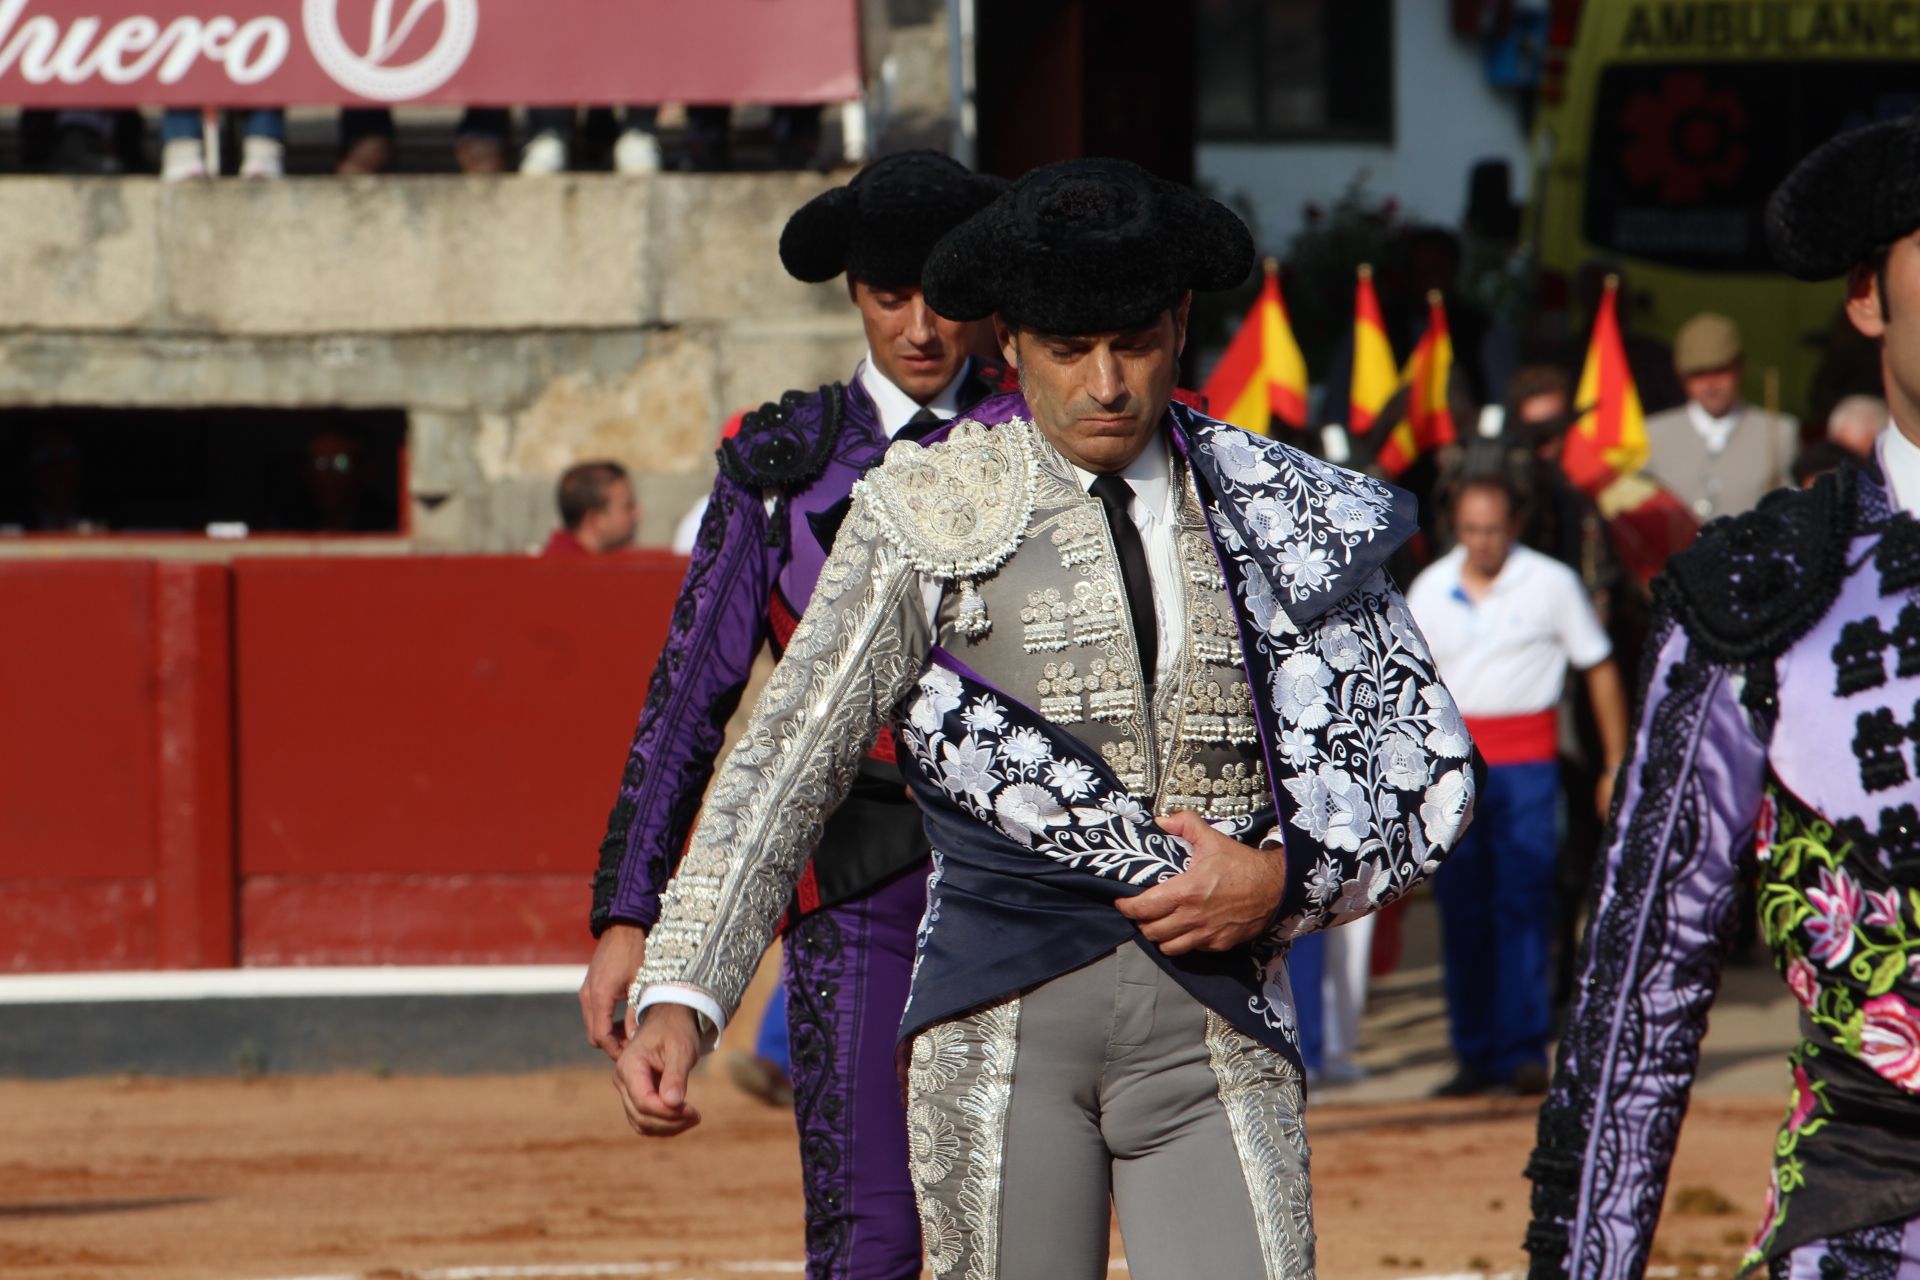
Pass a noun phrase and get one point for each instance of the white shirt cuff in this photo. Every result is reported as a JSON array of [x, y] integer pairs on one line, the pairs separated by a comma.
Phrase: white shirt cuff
[[1274, 839], [713, 1021]]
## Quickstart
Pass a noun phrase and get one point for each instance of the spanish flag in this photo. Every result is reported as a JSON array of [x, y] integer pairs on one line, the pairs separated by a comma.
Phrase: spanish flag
[[1263, 375], [1373, 381], [1428, 421], [1610, 437]]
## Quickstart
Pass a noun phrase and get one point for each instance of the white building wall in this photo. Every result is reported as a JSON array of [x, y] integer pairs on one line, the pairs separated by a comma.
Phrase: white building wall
[[1446, 117]]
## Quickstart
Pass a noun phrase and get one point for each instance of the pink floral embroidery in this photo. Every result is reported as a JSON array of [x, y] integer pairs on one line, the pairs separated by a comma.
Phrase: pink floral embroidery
[[1836, 905], [1768, 1215], [1804, 1099], [1890, 1040], [1802, 981], [1765, 829], [1883, 908]]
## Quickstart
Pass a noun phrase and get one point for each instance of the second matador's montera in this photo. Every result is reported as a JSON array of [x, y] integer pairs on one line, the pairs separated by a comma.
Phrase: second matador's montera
[[1098, 623]]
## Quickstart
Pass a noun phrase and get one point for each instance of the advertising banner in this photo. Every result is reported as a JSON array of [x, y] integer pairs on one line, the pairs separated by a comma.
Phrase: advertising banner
[[234, 53]]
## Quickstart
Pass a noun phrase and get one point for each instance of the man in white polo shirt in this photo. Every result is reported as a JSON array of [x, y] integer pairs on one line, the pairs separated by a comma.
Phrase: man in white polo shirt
[[1504, 623]]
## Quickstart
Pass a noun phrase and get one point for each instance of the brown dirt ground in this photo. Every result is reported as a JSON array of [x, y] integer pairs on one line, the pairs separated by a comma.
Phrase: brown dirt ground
[[358, 1175]]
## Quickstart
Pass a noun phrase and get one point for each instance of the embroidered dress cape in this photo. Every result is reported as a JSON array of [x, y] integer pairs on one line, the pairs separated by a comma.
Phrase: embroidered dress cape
[[782, 487], [1784, 638], [1372, 768]]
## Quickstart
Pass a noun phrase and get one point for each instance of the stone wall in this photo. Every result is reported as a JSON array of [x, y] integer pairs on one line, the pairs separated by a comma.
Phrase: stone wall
[[522, 324]]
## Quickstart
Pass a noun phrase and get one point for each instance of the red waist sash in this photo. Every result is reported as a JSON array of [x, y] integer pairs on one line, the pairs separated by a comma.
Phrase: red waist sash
[[1533, 738]]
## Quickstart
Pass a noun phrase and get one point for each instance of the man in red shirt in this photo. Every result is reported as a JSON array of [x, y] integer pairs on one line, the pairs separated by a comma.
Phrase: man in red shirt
[[597, 511]]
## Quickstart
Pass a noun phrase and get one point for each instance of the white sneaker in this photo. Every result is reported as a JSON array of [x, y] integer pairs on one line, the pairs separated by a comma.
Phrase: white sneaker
[[547, 153], [262, 157], [636, 151], [181, 160]]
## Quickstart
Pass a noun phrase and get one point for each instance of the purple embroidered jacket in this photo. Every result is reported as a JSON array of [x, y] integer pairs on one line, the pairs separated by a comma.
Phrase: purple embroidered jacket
[[1779, 716], [783, 486]]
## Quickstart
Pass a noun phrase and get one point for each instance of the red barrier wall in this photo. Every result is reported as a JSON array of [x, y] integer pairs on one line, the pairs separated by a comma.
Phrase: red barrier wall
[[116, 844], [428, 749], [314, 761]]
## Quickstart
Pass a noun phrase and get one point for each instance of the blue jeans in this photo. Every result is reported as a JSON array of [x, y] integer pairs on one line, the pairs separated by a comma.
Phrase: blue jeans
[[772, 1042], [262, 122], [1496, 896], [1306, 974]]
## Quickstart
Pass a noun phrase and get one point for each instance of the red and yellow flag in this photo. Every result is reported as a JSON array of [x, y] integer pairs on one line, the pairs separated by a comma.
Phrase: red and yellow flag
[[1610, 438], [1374, 380], [1428, 421], [1262, 376]]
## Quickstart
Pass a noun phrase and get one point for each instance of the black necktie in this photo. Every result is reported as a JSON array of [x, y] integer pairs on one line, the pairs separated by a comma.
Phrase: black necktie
[[920, 425], [1115, 496]]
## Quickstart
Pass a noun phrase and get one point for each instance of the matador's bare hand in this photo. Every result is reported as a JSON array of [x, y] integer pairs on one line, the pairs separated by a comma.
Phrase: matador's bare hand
[[621, 951], [1225, 897], [651, 1074]]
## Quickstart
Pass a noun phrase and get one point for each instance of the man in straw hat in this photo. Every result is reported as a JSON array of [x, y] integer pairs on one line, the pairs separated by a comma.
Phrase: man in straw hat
[[1717, 454], [1163, 713], [1777, 738], [784, 479]]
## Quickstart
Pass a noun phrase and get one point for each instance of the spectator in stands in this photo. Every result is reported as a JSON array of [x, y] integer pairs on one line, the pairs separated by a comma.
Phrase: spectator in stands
[[1717, 454], [709, 146], [82, 143], [597, 511], [263, 144], [366, 140], [1855, 425], [552, 146]]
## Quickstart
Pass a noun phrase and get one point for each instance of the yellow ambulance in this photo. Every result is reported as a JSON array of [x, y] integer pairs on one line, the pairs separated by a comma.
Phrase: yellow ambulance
[[1664, 125]]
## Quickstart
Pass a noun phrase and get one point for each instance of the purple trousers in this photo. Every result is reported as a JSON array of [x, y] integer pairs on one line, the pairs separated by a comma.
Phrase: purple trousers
[[847, 972]]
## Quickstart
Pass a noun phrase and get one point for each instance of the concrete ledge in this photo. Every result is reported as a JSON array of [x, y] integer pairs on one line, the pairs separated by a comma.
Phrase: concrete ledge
[[400, 254]]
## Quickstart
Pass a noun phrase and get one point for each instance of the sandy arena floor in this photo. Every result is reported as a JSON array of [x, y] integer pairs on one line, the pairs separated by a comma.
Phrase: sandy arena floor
[[536, 1176]]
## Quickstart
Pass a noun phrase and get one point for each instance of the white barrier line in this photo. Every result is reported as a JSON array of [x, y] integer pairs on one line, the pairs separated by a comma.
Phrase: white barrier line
[[256, 984]]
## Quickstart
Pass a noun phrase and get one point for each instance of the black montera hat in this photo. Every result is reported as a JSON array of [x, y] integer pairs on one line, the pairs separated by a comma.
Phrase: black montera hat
[[880, 227], [1087, 246], [1853, 195]]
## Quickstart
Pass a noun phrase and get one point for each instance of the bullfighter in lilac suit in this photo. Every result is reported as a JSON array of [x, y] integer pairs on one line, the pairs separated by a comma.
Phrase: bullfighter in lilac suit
[[1780, 737], [783, 487]]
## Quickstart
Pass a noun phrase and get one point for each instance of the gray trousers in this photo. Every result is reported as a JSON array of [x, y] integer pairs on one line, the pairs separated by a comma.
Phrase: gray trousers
[[1025, 1116]]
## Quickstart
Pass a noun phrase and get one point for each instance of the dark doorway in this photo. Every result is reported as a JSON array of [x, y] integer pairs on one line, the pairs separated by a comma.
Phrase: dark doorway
[[1059, 79], [160, 471]]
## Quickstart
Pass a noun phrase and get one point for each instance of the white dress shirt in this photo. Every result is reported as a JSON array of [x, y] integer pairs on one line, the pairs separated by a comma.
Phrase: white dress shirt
[[896, 406], [1714, 431], [1900, 463]]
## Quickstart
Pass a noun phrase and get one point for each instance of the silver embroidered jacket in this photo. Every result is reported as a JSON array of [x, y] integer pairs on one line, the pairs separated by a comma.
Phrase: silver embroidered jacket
[[1304, 695]]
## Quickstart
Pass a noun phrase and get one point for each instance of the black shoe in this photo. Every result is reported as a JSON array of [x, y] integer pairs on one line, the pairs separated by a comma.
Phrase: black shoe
[[1529, 1079], [1467, 1082]]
